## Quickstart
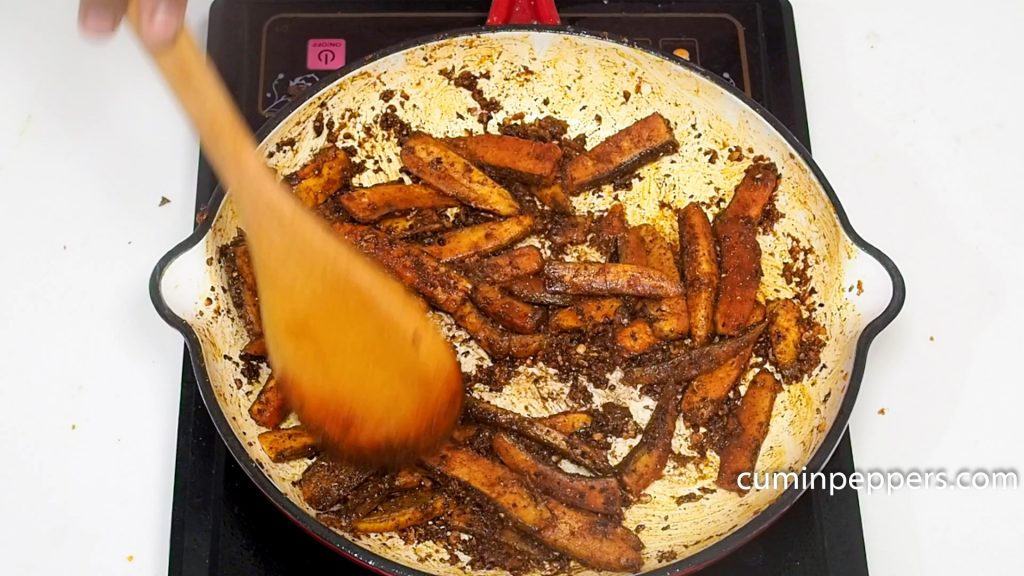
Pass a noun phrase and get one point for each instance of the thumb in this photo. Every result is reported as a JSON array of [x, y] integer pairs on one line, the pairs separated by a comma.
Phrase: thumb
[[100, 18], [160, 21]]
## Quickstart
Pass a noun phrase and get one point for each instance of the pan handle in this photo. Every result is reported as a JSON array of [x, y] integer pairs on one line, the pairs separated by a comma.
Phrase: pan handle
[[523, 12]]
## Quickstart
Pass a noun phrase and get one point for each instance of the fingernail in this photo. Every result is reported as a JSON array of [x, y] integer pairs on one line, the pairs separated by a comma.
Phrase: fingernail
[[98, 21], [163, 24]]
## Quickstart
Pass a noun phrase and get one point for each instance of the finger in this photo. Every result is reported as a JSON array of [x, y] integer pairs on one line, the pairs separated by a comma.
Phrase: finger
[[100, 17], [160, 20]]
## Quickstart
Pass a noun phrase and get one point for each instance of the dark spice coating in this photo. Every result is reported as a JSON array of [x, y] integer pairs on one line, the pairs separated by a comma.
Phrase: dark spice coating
[[584, 358], [493, 377], [579, 342], [415, 224], [704, 398], [332, 210], [495, 545], [615, 420], [613, 223], [326, 482], [660, 253], [700, 271], [646, 462], [784, 332], [547, 129], [579, 453], [359, 500], [325, 174], [669, 317], [241, 281], [437, 164], [603, 279], [812, 342], [269, 408], [594, 541], [750, 423], [481, 239], [470, 82], [640, 143], [524, 195], [463, 218], [769, 217], [597, 494], [318, 124], [585, 315], [394, 125], [607, 230], [404, 511], [630, 248], [563, 231], [569, 422], [688, 364], [580, 395], [753, 193], [511, 313], [739, 256], [553, 196], [796, 271], [532, 289], [286, 444], [373, 203], [439, 284], [636, 338], [499, 485], [528, 161], [505, 267], [496, 341]]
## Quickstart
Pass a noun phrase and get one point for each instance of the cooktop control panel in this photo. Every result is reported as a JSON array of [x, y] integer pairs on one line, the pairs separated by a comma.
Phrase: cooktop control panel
[[301, 48]]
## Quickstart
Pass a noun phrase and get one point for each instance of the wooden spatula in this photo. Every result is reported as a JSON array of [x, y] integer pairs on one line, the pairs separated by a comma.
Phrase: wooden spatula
[[356, 354]]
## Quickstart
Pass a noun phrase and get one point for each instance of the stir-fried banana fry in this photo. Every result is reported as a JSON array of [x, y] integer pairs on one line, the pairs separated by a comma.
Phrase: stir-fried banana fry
[[482, 227]]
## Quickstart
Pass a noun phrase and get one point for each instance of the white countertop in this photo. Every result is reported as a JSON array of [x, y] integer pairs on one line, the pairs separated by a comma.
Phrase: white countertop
[[915, 115]]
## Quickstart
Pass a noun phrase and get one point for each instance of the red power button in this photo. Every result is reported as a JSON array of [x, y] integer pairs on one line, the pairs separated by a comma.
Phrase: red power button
[[325, 54]]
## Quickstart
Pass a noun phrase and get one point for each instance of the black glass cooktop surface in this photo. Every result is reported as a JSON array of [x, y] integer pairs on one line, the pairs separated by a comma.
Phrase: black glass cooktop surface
[[270, 51]]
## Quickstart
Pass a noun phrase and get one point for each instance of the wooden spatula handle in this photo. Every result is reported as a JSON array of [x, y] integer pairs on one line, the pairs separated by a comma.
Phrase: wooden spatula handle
[[355, 352], [227, 141]]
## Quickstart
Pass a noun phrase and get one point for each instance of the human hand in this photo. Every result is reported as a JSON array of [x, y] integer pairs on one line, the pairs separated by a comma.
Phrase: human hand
[[160, 19]]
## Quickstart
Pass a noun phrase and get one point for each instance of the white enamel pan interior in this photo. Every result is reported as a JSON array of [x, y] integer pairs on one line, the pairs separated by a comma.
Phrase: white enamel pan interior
[[583, 80]]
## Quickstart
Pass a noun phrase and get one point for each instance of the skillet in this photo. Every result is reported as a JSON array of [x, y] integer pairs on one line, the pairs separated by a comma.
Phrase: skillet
[[579, 75]]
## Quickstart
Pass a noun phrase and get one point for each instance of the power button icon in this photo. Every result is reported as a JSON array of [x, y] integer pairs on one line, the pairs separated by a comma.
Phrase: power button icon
[[325, 54], [326, 57]]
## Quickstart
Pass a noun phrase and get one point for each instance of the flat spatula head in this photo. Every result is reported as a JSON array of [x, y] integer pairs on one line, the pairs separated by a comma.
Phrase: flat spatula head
[[358, 357], [356, 353]]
